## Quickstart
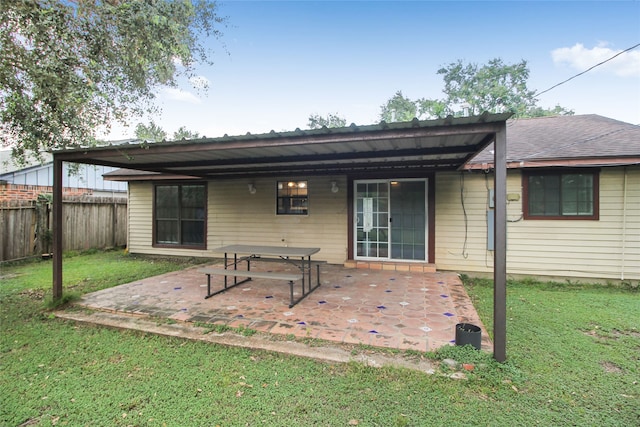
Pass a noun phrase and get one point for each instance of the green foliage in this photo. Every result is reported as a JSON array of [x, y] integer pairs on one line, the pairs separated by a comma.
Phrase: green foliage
[[150, 133], [316, 121], [398, 109], [471, 89], [68, 68], [184, 133], [67, 298]]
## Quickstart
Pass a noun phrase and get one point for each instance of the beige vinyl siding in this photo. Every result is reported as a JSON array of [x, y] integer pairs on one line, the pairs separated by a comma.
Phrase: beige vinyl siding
[[238, 217], [605, 249], [234, 216]]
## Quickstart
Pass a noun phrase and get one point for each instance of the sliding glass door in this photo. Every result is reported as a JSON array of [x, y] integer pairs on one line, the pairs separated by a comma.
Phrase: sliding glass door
[[390, 219]]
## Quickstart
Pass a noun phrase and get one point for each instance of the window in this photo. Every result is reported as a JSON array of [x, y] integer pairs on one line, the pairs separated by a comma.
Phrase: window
[[567, 194], [293, 198], [180, 215]]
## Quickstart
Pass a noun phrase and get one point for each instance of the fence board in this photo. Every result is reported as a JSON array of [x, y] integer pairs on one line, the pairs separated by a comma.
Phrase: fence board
[[97, 222]]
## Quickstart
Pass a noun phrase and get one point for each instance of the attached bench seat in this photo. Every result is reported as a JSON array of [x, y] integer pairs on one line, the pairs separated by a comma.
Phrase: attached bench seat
[[290, 278], [257, 274]]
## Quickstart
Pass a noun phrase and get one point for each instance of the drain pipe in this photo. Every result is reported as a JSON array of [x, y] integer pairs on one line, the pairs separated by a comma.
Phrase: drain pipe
[[624, 222]]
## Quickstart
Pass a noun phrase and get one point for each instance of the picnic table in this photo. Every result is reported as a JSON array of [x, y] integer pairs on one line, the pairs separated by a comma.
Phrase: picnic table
[[299, 257]]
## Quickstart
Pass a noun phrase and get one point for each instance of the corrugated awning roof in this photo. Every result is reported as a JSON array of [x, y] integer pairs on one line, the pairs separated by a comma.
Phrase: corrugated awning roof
[[444, 144]]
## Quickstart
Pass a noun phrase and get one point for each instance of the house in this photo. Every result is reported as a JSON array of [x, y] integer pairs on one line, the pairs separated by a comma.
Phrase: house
[[408, 196], [573, 206], [365, 195], [573, 202], [26, 183]]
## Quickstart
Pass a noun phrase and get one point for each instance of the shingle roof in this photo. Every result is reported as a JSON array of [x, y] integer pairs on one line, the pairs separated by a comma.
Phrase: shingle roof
[[567, 138]]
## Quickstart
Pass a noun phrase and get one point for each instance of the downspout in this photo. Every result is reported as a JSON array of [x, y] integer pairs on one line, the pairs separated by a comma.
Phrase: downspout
[[624, 223]]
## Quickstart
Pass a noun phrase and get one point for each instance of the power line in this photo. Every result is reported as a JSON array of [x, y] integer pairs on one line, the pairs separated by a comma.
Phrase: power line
[[587, 70]]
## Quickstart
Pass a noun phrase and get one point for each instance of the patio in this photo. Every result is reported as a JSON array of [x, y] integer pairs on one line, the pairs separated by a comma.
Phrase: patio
[[389, 309]]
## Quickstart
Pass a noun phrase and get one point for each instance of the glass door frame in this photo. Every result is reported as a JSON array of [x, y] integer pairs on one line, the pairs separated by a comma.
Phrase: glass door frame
[[427, 212]]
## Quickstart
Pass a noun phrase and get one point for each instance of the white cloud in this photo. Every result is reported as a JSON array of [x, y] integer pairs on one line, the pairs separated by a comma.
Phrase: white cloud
[[199, 82], [582, 58], [175, 94]]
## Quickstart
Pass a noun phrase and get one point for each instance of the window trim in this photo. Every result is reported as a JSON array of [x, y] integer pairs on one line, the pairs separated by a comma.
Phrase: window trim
[[278, 197], [154, 236], [559, 172]]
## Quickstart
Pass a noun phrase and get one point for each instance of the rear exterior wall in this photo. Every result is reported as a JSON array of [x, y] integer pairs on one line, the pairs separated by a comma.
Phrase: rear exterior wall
[[608, 248], [234, 216]]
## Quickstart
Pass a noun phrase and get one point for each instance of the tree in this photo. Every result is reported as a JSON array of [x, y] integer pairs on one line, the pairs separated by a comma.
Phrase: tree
[[471, 89], [316, 121], [150, 133], [398, 109], [69, 67], [184, 133]]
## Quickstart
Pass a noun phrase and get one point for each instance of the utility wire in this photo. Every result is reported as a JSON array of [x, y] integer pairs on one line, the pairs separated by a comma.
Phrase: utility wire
[[587, 70]]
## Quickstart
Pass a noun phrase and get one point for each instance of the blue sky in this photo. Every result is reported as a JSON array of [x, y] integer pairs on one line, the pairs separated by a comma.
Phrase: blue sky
[[288, 60]]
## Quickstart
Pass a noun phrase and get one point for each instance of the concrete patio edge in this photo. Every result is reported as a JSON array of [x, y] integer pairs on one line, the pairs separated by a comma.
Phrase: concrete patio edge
[[327, 352]]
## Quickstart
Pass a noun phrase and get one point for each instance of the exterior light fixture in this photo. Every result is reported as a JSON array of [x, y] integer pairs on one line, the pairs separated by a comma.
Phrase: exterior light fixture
[[252, 189], [334, 187]]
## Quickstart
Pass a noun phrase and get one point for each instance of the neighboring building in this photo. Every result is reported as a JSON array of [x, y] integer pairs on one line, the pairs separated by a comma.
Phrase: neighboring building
[[401, 196], [26, 183]]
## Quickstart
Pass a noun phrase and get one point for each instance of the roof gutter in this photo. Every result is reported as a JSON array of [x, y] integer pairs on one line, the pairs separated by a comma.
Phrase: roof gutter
[[568, 163]]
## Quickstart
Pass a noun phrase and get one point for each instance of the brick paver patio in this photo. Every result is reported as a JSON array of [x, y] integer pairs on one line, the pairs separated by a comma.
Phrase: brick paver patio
[[392, 309]]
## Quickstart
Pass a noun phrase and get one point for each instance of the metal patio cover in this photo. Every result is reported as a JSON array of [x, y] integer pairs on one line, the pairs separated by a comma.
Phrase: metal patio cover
[[444, 144], [430, 146]]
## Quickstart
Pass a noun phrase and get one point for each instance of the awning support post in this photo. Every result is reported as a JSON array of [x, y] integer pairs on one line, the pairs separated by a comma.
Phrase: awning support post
[[57, 228], [500, 252]]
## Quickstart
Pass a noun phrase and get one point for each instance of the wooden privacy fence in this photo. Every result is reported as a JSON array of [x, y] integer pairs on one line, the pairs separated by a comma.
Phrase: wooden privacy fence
[[88, 222]]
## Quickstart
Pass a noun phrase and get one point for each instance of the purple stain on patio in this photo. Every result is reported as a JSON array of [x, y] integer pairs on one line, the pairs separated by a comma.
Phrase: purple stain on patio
[[381, 307], [388, 291], [269, 296], [348, 275], [337, 286], [322, 302], [444, 296], [448, 314], [177, 288], [393, 278], [301, 323], [441, 283], [238, 316], [373, 331], [183, 309]]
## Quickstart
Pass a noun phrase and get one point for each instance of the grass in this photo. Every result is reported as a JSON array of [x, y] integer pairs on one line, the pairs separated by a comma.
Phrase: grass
[[574, 357]]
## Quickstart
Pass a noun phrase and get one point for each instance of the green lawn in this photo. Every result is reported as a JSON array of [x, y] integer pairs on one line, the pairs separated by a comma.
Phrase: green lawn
[[574, 359]]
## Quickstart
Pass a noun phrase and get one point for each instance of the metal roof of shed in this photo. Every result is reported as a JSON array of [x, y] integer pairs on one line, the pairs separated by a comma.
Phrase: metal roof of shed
[[443, 144]]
